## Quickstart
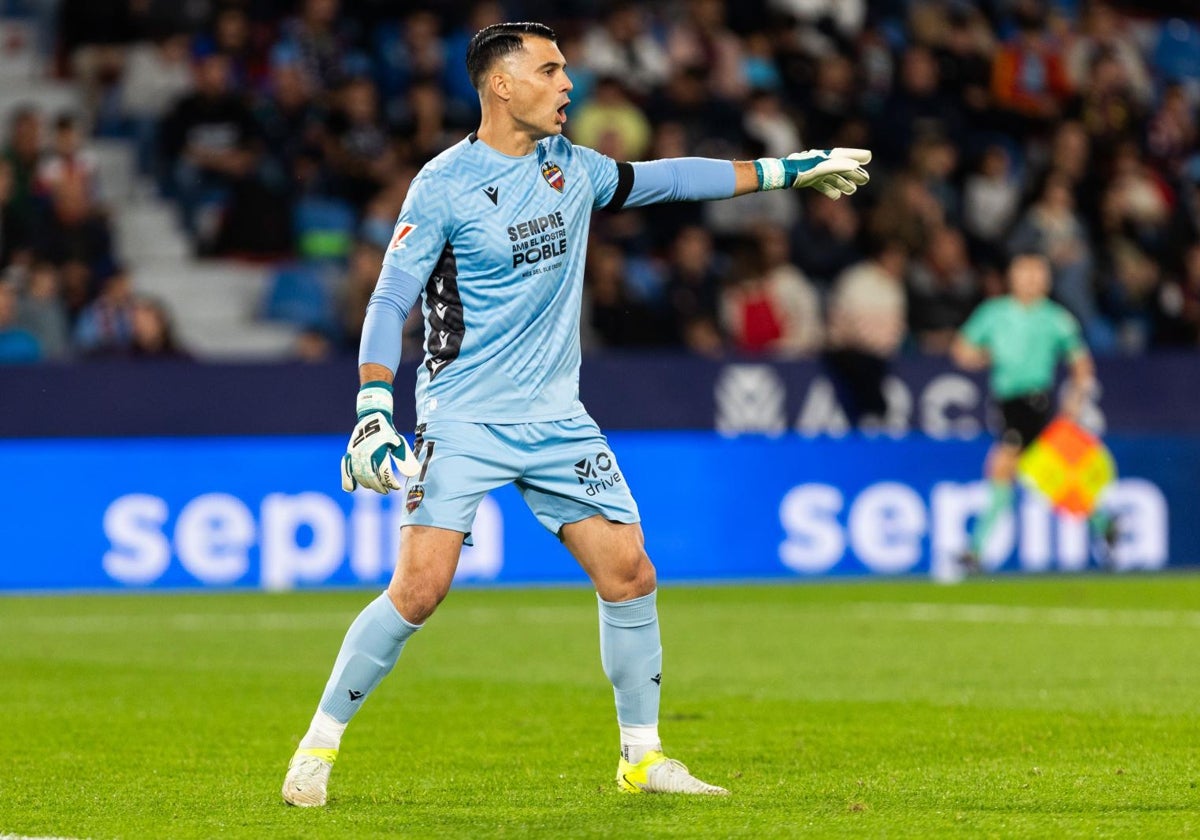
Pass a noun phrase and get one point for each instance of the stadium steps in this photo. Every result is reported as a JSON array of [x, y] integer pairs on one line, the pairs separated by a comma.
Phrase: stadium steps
[[213, 302]]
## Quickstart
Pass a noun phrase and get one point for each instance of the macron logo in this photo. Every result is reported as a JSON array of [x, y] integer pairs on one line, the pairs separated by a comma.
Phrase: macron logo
[[402, 230], [493, 193]]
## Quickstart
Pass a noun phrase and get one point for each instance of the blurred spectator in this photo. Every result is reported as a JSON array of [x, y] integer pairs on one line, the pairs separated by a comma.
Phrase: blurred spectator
[[93, 35], [622, 47], [233, 37], [17, 344], [1171, 134], [407, 53], [1131, 295], [211, 139], [291, 126], [827, 239], [616, 317], [357, 149], [934, 160], [758, 65], [157, 74], [693, 291], [1106, 32], [990, 200], [323, 45], [1052, 228], [964, 49], [77, 279], [942, 291], [43, 314], [825, 24], [105, 325], [829, 101], [916, 108], [74, 229], [1137, 202], [68, 160], [907, 211], [1107, 108], [1177, 321], [771, 308], [867, 325], [768, 126], [153, 333], [12, 238], [153, 18], [700, 41], [711, 125], [23, 154], [1029, 79], [424, 130], [611, 123]]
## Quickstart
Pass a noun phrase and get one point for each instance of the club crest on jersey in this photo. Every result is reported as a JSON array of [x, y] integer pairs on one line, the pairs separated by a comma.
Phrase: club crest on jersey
[[402, 230], [553, 175]]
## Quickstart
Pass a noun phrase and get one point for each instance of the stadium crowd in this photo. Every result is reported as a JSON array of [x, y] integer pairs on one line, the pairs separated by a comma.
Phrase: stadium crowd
[[288, 132]]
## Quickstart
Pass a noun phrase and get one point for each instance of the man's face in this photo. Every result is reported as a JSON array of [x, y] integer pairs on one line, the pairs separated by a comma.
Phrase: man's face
[[539, 87], [1030, 278]]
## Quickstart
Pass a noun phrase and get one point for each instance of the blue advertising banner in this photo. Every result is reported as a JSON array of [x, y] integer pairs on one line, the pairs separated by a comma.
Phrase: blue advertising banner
[[636, 392], [269, 512]]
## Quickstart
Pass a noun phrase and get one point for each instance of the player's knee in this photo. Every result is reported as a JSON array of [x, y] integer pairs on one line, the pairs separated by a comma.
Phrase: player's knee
[[415, 602], [632, 577]]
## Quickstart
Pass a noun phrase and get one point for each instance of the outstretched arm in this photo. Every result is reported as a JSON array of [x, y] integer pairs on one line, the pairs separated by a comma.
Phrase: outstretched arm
[[967, 355], [1083, 382], [834, 172]]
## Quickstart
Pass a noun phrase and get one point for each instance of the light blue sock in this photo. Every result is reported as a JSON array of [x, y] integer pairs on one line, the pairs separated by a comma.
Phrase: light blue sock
[[370, 650], [631, 653]]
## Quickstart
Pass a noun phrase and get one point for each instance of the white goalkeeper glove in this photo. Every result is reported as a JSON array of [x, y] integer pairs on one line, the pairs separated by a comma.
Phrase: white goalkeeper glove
[[832, 172], [376, 451]]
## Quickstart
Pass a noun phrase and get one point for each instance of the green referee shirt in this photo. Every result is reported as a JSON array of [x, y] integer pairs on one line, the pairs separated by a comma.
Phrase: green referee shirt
[[1025, 342]]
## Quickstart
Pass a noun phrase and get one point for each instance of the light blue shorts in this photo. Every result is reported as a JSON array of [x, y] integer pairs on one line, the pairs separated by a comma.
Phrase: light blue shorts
[[564, 470]]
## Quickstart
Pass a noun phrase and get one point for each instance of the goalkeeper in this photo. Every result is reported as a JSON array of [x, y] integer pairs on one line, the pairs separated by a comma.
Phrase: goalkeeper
[[492, 239], [1022, 337]]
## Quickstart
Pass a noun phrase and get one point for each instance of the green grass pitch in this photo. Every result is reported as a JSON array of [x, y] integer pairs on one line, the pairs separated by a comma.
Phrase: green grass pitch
[[1049, 707]]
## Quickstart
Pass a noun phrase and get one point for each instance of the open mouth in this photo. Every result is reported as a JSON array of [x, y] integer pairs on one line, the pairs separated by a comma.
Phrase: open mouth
[[562, 112]]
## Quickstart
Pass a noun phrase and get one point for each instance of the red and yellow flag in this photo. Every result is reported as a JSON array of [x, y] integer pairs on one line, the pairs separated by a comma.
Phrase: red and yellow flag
[[1069, 465]]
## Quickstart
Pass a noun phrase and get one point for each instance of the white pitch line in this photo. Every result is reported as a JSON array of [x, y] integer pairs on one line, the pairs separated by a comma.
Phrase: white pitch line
[[205, 622], [24, 837], [1011, 614], [861, 610]]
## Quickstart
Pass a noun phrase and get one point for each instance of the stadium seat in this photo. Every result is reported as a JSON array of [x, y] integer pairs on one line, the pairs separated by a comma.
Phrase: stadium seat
[[298, 294]]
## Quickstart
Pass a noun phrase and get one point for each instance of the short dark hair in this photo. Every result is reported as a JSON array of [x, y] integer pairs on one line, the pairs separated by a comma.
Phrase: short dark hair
[[498, 40]]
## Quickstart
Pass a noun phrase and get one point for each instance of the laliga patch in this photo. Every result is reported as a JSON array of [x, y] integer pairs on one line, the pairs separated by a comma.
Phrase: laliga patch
[[553, 175], [402, 231], [416, 495]]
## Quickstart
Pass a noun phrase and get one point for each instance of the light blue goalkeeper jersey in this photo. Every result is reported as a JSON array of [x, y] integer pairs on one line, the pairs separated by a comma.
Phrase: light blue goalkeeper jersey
[[500, 242]]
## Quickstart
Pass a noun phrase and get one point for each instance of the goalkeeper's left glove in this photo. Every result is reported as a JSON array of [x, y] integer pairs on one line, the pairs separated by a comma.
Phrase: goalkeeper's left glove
[[375, 445], [832, 172]]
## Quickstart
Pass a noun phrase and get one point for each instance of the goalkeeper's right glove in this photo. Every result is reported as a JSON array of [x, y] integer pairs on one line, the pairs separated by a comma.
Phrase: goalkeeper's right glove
[[375, 444], [832, 172]]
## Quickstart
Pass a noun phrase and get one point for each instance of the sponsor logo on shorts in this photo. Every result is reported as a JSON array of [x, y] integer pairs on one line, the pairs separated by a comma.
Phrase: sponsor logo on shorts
[[597, 473]]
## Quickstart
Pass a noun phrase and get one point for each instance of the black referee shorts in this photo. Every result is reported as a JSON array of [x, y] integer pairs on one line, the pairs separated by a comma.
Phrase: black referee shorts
[[1023, 418]]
